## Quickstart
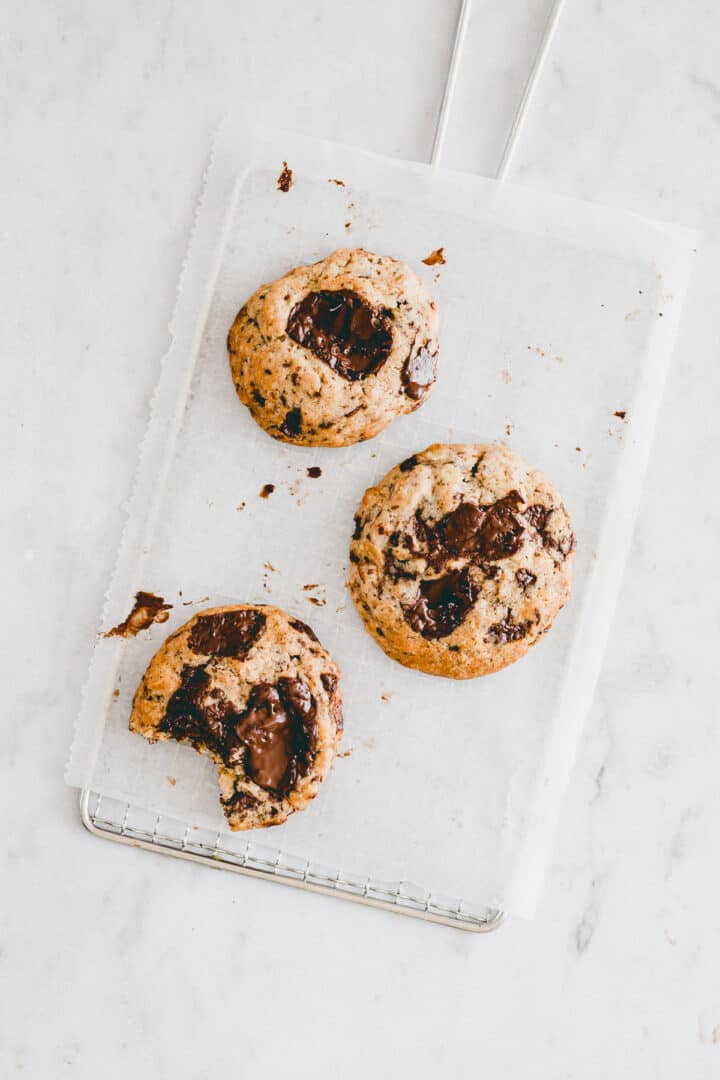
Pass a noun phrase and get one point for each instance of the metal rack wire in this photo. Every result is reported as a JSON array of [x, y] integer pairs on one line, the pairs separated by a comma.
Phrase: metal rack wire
[[126, 824]]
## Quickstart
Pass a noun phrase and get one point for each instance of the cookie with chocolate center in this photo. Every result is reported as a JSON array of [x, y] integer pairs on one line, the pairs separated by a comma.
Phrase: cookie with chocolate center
[[253, 688], [330, 353], [460, 559]]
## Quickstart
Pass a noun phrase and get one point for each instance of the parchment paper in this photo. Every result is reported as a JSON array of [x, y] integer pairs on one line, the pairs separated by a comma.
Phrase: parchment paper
[[555, 316]]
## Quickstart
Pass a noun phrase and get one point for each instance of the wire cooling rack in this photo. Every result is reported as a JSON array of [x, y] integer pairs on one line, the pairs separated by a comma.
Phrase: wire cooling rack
[[127, 824]]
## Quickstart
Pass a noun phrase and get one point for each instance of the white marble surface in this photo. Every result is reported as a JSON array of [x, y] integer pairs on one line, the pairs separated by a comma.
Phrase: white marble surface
[[115, 963]]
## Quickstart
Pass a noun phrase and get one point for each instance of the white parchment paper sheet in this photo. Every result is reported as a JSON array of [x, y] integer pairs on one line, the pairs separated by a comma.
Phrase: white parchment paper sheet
[[555, 315]]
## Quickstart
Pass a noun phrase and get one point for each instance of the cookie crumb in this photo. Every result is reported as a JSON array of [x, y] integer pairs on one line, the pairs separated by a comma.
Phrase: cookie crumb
[[340, 183], [116, 692], [171, 780], [578, 449], [345, 753], [241, 506], [269, 566], [267, 491], [314, 472], [620, 413], [147, 609], [285, 179], [317, 601], [385, 697], [309, 588], [509, 429], [436, 257], [505, 375], [348, 224]]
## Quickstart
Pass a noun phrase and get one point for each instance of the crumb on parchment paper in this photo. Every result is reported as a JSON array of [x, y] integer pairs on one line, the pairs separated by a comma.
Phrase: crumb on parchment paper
[[285, 179], [436, 257], [267, 491], [147, 609]]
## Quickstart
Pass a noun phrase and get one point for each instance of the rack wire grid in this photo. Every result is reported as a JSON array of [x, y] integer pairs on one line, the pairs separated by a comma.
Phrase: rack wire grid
[[126, 824]]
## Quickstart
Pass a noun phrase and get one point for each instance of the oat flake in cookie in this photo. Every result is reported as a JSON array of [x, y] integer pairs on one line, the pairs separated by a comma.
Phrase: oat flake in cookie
[[331, 353], [254, 688], [460, 560]]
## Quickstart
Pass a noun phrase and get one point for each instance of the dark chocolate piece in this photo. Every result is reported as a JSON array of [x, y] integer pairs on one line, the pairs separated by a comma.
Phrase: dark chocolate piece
[[442, 604], [273, 739], [537, 515], [506, 630], [227, 633], [344, 331], [303, 628], [524, 578], [292, 424], [419, 373]]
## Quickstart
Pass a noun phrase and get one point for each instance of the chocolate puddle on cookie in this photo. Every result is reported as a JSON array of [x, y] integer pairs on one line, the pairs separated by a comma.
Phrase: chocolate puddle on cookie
[[273, 739], [442, 604], [227, 633], [479, 533], [344, 331]]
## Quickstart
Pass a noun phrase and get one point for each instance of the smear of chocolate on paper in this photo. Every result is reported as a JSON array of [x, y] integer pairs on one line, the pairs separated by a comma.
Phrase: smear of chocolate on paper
[[148, 609], [436, 257], [340, 183], [620, 413], [285, 179]]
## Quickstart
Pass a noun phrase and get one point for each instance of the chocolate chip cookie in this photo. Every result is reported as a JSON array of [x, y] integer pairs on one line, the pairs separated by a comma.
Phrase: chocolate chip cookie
[[254, 688], [329, 354], [460, 560]]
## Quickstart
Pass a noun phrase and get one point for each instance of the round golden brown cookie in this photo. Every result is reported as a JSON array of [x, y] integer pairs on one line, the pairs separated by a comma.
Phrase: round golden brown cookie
[[254, 688], [329, 354], [460, 560]]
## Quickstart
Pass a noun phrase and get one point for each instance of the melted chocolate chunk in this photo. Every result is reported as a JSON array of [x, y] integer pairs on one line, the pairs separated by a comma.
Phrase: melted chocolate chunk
[[329, 681], [267, 491], [506, 630], [419, 373], [484, 533], [537, 515], [459, 531], [228, 633], [408, 463], [258, 398], [240, 802], [524, 578], [147, 609], [501, 533], [352, 337], [442, 604], [314, 472], [292, 424], [273, 739], [357, 531], [196, 714], [303, 628], [277, 733]]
